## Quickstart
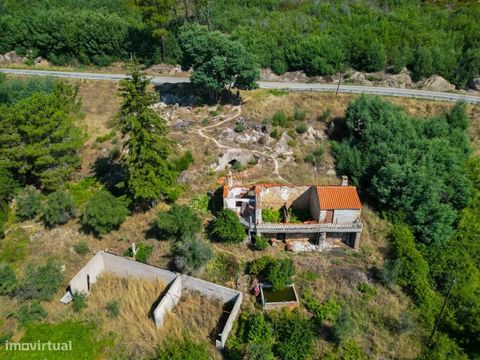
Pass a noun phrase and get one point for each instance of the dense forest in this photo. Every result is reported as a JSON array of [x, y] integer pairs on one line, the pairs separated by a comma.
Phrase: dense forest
[[321, 38], [420, 174]]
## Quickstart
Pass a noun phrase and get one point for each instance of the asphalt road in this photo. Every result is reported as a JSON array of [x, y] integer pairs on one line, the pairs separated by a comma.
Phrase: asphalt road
[[352, 89]]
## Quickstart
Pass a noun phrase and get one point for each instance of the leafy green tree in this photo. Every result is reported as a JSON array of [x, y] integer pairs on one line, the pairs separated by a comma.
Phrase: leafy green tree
[[8, 280], [13, 90], [150, 173], [216, 60], [413, 272], [40, 142], [29, 203], [227, 227], [279, 273], [178, 222], [444, 348], [413, 170], [8, 185], [104, 213], [191, 254], [40, 283], [58, 209], [156, 14]]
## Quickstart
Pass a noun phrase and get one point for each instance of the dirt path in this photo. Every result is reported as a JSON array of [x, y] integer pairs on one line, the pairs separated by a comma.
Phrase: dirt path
[[238, 112]]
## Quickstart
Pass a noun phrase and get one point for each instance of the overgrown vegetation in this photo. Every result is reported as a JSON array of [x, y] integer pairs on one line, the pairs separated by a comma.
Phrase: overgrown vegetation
[[58, 209], [179, 222], [419, 173], [104, 213], [226, 227], [278, 272]]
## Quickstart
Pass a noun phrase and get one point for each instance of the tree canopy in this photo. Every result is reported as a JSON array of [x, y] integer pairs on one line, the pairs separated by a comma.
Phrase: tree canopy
[[150, 173], [39, 142], [216, 60], [412, 167]]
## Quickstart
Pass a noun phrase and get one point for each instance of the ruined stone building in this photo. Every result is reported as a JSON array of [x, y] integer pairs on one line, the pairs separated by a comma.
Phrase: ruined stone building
[[306, 217]]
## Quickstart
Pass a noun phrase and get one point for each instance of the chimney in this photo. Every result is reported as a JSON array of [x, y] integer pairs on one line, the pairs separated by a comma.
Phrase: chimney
[[230, 179], [344, 181]]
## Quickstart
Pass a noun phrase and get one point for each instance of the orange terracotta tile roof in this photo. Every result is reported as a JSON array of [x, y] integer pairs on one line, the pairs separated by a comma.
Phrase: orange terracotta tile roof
[[225, 191], [338, 197]]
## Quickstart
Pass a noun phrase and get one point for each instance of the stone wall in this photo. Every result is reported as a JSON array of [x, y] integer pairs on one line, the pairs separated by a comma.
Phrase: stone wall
[[88, 274], [168, 302], [277, 196], [104, 262]]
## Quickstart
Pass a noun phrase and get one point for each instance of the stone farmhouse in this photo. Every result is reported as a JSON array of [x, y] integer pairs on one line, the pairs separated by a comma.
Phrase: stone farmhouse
[[307, 218]]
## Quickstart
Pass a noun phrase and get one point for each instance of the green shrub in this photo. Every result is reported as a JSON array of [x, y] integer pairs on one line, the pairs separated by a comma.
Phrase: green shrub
[[29, 203], [299, 114], [8, 280], [258, 266], [239, 128], [351, 351], [143, 252], [279, 119], [321, 312], [178, 222], [191, 254], [325, 115], [81, 247], [279, 273], [343, 327], [261, 242], [79, 301], [113, 308], [254, 338], [30, 312], [276, 134], [200, 203], [8, 185], [83, 190], [295, 336], [270, 216], [104, 213], [184, 349], [367, 290], [4, 213], [106, 137], [316, 157], [223, 268], [58, 209], [227, 227], [301, 128], [41, 282], [237, 165], [184, 161]]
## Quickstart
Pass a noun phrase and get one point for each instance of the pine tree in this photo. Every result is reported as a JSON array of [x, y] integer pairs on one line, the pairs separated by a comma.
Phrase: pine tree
[[150, 174]]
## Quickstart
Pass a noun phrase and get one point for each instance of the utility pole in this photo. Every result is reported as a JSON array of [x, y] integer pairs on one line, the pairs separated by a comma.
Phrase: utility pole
[[437, 322], [339, 81]]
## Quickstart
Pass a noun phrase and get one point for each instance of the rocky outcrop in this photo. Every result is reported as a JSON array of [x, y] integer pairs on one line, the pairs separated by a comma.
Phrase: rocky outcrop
[[12, 58], [357, 77], [436, 83], [400, 81], [476, 84]]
